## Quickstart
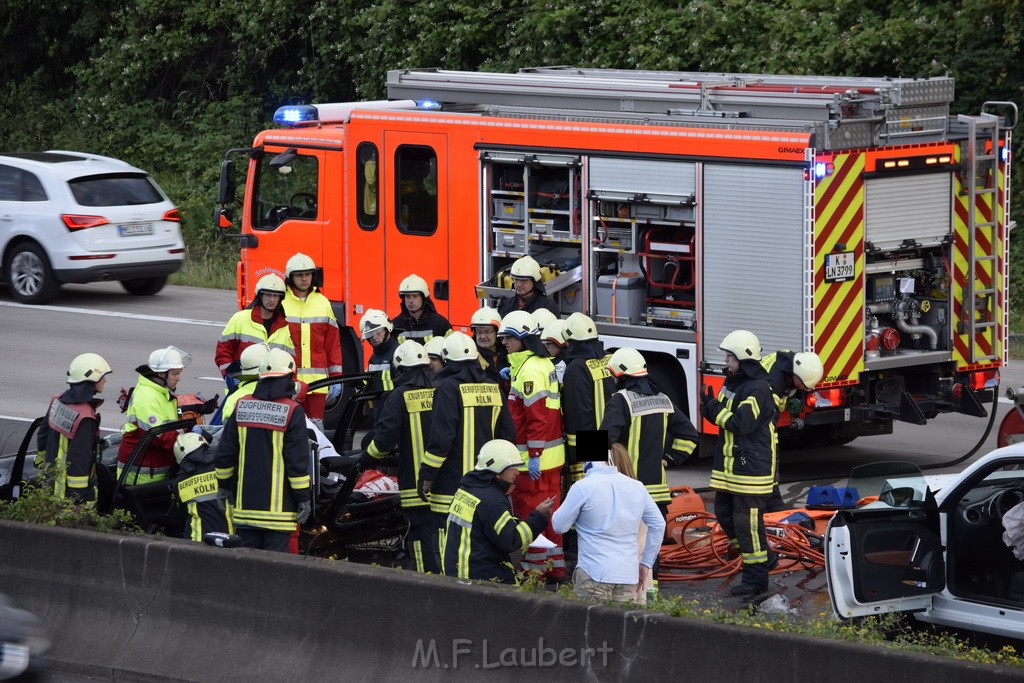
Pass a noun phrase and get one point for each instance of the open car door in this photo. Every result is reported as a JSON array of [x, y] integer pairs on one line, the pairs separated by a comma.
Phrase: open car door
[[886, 556]]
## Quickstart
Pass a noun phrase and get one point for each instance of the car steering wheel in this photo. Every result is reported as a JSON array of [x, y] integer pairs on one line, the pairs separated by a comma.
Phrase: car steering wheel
[[279, 214], [306, 198]]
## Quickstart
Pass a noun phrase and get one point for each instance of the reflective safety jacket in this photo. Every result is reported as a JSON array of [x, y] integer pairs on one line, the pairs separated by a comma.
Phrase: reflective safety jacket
[[70, 437], [468, 411], [650, 426], [315, 336], [429, 325], [246, 328], [150, 405], [243, 389], [380, 367], [196, 488], [586, 387], [482, 533], [404, 426], [263, 457], [535, 405], [745, 456]]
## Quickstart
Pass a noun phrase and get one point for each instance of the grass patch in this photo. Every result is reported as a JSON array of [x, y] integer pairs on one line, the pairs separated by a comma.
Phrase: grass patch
[[212, 266]]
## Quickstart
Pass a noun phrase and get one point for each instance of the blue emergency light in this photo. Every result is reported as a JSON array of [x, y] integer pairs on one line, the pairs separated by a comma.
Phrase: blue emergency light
[[295, 114], [428, 104]]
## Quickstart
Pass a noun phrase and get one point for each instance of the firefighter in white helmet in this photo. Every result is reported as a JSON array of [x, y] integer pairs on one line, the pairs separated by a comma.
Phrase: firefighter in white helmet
[[314, 331], [263, 458], [435, 354], [586, 385], [552, 335], [404, 429], [419, 319], [150, 404], [529, 294], [375, 328], [263, 321], [247, 375], [743, 471], [482, 531], [196, 487], [493, 357], [70, 436]]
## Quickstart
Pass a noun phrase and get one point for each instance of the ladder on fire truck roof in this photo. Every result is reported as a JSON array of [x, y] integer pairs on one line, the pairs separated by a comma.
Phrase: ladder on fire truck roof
[[889, 109], [981, 182]]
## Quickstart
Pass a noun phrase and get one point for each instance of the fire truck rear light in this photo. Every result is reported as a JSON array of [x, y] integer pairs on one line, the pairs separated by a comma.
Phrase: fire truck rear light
[[173, 215], [984, 379], [822, 169], [77, 222], [825, 398], [295, 114]]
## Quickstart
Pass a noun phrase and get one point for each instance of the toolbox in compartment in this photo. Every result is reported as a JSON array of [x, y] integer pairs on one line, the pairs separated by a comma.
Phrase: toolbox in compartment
[[507, 209], [510, 241], [654, 212], [621, 298]]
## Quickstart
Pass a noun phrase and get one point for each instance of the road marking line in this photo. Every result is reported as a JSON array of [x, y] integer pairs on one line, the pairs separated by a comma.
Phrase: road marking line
[[115, 314], [32, 419]]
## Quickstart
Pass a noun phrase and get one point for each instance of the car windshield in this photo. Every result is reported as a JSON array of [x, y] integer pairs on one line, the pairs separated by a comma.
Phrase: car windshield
[[895, 484], [120, 189]]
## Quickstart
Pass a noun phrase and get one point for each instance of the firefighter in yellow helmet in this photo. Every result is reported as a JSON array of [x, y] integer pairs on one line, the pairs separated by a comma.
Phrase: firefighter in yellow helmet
[[263, 321], [529, 294], [419, 319], [375, 328], [314, 331], [744, 466], [70, 435]]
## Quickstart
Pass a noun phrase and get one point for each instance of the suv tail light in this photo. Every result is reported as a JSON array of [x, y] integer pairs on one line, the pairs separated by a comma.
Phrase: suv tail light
[[78, 222], [172, 215]]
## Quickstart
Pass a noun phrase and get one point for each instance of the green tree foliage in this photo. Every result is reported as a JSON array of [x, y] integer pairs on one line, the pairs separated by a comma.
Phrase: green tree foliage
[[169, 85]]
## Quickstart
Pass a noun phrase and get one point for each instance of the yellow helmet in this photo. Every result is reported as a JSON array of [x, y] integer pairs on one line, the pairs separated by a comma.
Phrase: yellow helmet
[[742, 344], [627, 361], [300, 263], [807, 366], [460, 346], [278, 363], [88, 367], [498, 455], [414, 284], [519, 324], [485, 317], [372, 321], [580, 327], [271, 284], [410, 353], [435, 347], [526, 267]]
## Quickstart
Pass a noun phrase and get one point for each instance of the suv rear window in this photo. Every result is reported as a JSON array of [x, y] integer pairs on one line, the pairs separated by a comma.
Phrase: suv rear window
[[115, 189]]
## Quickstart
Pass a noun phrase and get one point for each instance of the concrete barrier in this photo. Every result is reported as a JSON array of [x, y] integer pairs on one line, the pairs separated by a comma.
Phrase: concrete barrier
[[144, 609]]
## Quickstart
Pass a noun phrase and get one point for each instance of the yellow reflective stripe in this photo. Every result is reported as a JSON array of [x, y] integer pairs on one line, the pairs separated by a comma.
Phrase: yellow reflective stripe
[[723, 417], [416, 441], [225, 472], [525, 534], [277, 472], [465, 545], [440, 503], [74, 482], [243, 436], [659, 492], [570, 439], [299, 482], [417, 555], [500, 523], [683, 445], [468, 440], [374, 451], [431, 460], [754, 405], [753, 521], [634, 441]]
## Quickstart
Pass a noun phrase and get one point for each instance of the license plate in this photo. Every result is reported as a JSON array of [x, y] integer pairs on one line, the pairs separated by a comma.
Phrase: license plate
[[135, 229], [839, 267]]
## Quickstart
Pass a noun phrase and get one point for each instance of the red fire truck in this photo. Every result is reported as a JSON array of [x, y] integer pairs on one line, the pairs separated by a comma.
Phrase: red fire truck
[[854, 217]]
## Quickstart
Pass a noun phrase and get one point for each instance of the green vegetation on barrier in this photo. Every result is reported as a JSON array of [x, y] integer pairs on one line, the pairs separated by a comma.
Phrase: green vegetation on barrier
[[38, 505]]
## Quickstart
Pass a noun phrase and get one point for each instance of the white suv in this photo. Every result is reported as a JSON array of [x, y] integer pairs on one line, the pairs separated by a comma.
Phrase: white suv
[[74, 217]]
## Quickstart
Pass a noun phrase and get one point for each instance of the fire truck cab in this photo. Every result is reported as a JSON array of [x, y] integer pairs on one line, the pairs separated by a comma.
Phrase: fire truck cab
[[853, 217]]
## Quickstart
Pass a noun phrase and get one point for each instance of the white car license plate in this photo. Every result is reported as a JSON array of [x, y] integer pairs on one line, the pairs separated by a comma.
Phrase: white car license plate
[[135, 229], [839, 267]]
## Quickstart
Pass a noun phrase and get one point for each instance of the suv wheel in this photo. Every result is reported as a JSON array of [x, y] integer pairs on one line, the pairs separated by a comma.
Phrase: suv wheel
[[144, 286], [29, 277]]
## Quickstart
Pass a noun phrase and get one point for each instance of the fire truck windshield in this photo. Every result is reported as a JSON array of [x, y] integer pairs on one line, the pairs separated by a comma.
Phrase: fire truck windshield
[[285, 192]]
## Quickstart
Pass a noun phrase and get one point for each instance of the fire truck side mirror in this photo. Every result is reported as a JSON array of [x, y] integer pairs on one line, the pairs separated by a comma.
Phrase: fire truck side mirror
[[223, 218], [227, 182], [440, 290]]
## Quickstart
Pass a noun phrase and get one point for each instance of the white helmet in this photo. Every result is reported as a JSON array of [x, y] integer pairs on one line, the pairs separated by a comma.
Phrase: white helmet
[[519, 324], [411, 353], [271, 284], [526, 267], [300, 263], [277, 363], [543, 316], [170, 358], [554, 331], [742, 344], [460, 346], [435, 347], [186, 443], [627, 361], [414, 284], [251, 358], [580, 327], [807, 366], [88, 367], [372, 321], [485, 317], [498, 455]]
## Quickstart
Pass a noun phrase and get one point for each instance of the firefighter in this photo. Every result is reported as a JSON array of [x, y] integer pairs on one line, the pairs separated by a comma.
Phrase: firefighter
[[482, 531], [263, 321], [788, 373], [70, 436], [535, 404], [151, 403], [404, 426], [263, 459], [419, 320], [744, 466], [435, 354], [493, 358], [586, 385], [197, 487], [529, 290], [654, 431], [375, 328], [314, 332], [468, 410], [552, 335], [247, 375]]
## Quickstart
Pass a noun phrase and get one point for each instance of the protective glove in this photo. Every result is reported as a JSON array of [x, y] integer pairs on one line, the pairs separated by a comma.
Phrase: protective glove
[[367, 461], [198, 429], [423, 485], [302, 514], [333, 392], [710, 406], [703, 398], [505, 374], [533, 465], [225, 497]]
